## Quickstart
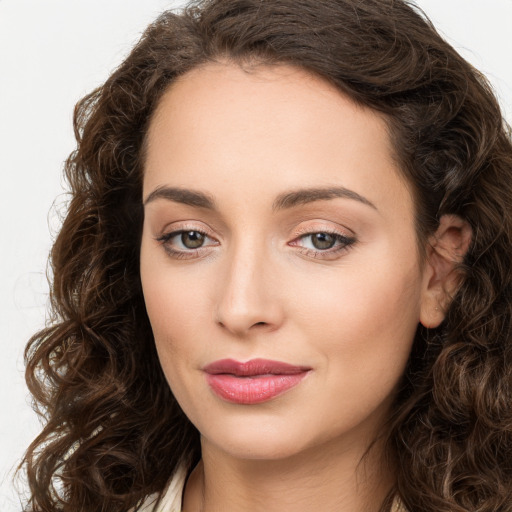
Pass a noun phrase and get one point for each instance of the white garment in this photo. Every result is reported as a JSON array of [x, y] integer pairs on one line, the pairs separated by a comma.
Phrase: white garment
[[172, 499]]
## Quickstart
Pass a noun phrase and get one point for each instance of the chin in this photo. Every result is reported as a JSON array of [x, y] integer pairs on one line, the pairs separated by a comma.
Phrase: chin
[[247, 437], [266, 448]]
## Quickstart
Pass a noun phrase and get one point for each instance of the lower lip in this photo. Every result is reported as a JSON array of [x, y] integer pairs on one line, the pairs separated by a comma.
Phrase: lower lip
[[254, 389]]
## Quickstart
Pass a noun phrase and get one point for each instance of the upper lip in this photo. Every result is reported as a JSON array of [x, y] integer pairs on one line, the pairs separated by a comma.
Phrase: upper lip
[[253, 367]]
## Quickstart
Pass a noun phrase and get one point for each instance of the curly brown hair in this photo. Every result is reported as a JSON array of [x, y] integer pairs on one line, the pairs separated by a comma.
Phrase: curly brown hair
[[114, 433]]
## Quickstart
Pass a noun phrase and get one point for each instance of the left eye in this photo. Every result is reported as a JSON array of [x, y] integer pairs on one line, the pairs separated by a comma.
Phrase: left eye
[[323, 241]]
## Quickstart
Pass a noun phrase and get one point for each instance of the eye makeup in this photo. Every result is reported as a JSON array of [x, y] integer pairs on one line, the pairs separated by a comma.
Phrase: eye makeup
[[190, 243]]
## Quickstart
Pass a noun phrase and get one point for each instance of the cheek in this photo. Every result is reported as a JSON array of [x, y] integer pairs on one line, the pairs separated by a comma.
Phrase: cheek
[[169, 300], [174, 311], [364, 317], [362, 327]]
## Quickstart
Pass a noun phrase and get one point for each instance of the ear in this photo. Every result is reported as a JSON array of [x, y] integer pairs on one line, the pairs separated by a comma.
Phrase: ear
[[445, 250]]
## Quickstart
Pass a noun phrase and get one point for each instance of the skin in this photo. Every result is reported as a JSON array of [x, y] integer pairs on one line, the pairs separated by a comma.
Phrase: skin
[[256, 288]]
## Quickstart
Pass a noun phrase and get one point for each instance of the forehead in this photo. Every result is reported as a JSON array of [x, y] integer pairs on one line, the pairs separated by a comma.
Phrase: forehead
[[226, 99], [225, 129]]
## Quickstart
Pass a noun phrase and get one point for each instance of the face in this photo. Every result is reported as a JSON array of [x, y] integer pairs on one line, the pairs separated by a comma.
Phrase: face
[[279, 260]]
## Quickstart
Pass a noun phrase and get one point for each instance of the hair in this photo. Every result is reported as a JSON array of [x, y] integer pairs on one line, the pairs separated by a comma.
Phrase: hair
[[113, 432]]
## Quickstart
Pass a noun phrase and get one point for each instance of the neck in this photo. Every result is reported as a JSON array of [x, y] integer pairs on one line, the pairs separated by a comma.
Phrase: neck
[[329, 477]]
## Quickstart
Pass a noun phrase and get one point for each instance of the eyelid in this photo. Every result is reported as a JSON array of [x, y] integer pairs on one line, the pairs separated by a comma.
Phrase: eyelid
[[320, 226], [337, 234], [175, 232], [342, 245], [177, 228], [180, 226], [345, 239]]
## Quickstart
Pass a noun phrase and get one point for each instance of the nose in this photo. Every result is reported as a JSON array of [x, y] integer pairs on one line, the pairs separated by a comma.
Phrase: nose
[[248, 294]]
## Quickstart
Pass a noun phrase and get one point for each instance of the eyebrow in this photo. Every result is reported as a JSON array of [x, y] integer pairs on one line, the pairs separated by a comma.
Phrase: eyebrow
[[309, 195], [182, 195], [284, 201]]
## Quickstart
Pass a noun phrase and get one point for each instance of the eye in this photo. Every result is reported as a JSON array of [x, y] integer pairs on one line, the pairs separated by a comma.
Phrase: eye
[[322, 241], [185, 242], [323, 244], [192, 239]]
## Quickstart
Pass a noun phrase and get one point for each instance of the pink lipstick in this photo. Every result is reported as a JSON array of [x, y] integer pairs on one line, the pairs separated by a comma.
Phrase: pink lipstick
[[254, 381]]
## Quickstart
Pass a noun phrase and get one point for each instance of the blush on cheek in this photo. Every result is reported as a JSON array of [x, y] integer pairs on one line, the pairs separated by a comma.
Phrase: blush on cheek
[[376, 315]]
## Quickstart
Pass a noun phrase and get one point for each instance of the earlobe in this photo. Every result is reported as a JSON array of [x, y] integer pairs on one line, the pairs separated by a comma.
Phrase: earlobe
[[445, 251]]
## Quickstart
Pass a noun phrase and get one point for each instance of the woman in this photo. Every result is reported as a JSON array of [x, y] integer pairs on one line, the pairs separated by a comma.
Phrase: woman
[[283, 282]]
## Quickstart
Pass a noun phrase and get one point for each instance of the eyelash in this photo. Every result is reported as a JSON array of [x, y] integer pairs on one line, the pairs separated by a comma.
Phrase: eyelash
[[180, 254], [344, 243]]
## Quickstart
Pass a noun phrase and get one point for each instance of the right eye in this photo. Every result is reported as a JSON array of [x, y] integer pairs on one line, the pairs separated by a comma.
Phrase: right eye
[[185, 242]]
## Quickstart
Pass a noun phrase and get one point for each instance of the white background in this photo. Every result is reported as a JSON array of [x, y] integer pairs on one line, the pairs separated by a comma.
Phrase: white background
[[51, 54]]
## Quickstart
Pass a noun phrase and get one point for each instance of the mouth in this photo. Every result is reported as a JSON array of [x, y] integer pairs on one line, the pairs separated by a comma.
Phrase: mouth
[[253, 382]]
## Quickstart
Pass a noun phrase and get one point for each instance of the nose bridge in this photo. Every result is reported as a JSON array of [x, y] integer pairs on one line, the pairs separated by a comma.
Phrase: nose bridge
[[247, 295]]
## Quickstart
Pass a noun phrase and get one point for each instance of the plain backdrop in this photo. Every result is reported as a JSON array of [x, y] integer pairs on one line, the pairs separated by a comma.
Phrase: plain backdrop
[[51, 54]]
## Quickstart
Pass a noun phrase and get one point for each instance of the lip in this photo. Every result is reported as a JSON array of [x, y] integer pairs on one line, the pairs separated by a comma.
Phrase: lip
[[252, 382]]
